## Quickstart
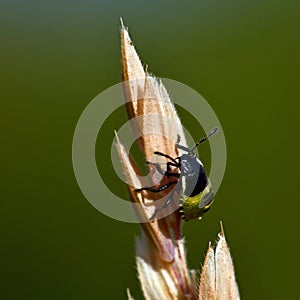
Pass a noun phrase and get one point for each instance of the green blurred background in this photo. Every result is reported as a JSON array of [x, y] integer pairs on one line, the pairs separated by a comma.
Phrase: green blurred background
[[56, 56]]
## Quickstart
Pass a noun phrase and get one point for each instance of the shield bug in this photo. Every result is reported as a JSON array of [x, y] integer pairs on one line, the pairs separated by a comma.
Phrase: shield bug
[[192, 184]]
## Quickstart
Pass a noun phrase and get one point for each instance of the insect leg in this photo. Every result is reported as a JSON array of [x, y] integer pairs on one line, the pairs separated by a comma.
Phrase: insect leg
[[177, 165], [168, 172], [157, 210], [167, 156], [156, 190], [168, 201]]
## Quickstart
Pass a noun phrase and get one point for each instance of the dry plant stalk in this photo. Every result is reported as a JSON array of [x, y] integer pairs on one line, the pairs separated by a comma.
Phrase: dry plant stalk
[[160, 253]]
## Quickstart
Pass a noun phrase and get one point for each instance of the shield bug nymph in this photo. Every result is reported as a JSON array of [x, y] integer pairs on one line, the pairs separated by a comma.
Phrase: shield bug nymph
[[192, 184]]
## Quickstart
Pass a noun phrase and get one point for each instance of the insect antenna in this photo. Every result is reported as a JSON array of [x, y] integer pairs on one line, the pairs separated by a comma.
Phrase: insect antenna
[[213, 131]]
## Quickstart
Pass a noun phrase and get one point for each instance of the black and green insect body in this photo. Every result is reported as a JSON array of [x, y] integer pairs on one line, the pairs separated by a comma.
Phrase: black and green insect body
[[196, 191], [192, 184]]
